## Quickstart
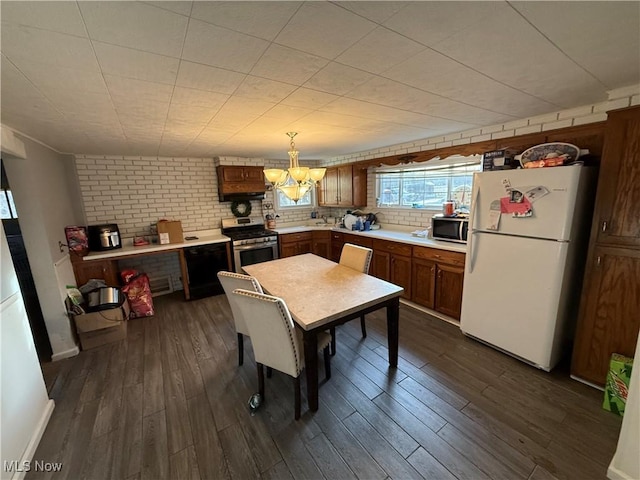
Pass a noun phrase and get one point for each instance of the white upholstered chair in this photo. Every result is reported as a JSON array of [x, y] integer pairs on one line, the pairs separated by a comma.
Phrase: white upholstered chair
[[231, 281], [276, 342], [358, 258]]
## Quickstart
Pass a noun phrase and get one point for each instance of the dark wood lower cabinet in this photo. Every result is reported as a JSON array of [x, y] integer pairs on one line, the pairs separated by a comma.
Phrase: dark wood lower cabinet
[[449, 282], [392, 262], [85, 270], [438, 276], [321, 243], [424, 282], [295, 244], [337, 241], [609, 320]]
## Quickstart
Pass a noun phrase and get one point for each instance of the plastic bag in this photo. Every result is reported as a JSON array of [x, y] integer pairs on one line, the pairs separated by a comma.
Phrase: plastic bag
[[138, 293]]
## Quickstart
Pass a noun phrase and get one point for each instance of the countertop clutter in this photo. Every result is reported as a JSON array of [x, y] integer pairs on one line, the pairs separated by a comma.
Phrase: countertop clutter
[[129, 249]]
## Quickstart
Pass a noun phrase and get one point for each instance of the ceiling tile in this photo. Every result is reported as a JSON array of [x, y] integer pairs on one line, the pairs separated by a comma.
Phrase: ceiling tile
[[135, 25], [259, 19], [307, 98], [138, 91], [204, 77], [380, 50], [324, 29], [62, 17], [182, 7], [287, 65], [51, 48], [265, 89], [198, 98], [286, 113], [52, 78], [220, 47], [137, 64], [560, 82], [377, 11], [433, 72], [612, 55], [432, 22], [338, 79], [188, 114]]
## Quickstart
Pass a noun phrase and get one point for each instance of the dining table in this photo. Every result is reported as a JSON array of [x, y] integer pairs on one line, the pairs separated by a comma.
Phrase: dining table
[[321, 294]]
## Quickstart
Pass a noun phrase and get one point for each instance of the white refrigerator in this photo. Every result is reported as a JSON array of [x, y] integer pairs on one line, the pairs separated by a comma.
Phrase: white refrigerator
[[526, 249]]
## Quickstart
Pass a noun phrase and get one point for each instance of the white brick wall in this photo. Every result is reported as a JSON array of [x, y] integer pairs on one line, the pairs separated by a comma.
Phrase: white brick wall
[[135, 192]]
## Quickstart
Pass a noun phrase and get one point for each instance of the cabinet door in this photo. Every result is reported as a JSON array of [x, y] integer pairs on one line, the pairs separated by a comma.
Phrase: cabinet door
[[329, 194], [337, 241], [305, 246], [232, 174], [449, 282], [423, 282], [618, 198], [609, 320], [99, 269], [381, 267], [288, 249], [322, 244], [345, 186], [401, 273], [254, 174]]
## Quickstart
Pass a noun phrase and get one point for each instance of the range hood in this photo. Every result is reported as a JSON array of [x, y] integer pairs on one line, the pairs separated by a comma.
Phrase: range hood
[[230, 197]]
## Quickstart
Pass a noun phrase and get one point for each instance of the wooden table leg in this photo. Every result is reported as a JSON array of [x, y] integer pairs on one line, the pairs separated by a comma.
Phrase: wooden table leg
[[393, 316], [311, 366]]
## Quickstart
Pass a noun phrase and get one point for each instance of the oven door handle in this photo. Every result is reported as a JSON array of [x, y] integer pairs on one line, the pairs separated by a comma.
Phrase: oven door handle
[[254, 246]]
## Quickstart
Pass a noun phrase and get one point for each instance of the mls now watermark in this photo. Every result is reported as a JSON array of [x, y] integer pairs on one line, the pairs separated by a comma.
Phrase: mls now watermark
[[29, 466]]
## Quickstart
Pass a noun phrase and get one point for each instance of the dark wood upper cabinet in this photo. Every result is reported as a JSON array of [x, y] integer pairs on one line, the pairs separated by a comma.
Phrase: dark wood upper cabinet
[[609, 316], [237, 181], [343, 186], [618, 198]]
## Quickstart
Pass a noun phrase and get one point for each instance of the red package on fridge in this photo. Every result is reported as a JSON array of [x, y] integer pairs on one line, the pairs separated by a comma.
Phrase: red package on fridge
[[138, 293]]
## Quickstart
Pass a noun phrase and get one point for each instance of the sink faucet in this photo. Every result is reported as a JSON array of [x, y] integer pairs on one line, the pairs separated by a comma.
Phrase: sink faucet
[[324, 218]]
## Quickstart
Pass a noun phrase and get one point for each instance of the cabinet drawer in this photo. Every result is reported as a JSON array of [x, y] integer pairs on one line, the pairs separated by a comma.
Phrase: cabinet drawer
[[358, 240], [295, 237], [392, 247], [337, 236], [439, 256]]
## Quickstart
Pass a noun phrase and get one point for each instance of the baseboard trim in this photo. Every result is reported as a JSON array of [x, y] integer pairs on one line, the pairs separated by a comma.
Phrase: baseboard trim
[[593, 385], [30, 451], [433, 313], [72, 352]]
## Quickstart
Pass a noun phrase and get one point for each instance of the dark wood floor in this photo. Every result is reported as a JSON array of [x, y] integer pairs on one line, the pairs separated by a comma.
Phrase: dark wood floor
[[171, 402]]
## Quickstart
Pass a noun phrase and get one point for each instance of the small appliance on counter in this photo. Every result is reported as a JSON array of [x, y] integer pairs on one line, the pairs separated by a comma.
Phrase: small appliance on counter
[[104, 237], [450, 228]]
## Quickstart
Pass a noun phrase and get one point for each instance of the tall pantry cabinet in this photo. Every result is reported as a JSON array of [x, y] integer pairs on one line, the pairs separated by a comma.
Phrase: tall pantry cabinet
[[609, 317]]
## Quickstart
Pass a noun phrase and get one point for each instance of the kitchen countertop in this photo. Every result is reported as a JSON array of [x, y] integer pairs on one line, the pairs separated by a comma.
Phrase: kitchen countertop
[[129, 249], [383, 234]]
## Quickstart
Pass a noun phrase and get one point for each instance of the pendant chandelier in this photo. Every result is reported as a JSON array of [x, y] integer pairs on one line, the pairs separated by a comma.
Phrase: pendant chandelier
[[297, 181]]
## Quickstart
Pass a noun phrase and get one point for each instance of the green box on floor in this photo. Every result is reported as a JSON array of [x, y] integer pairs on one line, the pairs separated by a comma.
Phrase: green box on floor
[[617, 386]]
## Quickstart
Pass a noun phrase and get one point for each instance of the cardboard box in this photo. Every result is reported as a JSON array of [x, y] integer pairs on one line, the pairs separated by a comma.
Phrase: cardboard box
[[499, 160], [103, 336], [99, 328], [170, 231], [617, 385]]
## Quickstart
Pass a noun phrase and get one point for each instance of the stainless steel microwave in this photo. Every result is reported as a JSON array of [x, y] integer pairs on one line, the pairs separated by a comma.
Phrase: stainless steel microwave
[[451, 229]]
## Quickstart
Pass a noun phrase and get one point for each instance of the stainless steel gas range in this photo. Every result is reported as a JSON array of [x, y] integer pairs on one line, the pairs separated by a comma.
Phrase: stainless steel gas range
[[251, 241]]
